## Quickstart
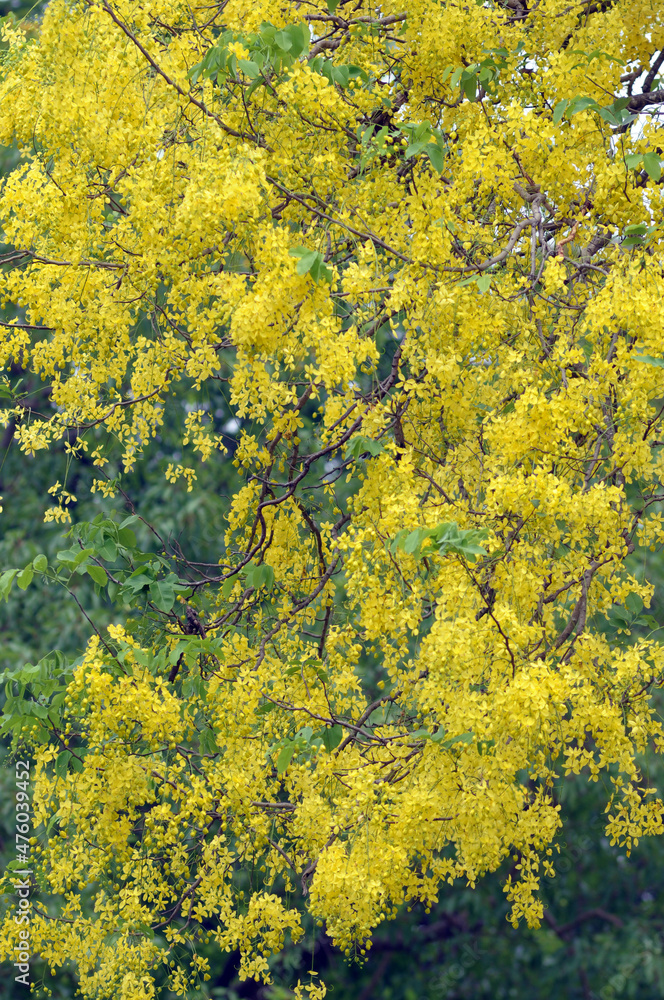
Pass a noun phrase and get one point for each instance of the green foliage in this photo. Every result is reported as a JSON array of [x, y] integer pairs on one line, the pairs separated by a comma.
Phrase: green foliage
[[447, 538], [614, 114], [271, 52], [311, 262]]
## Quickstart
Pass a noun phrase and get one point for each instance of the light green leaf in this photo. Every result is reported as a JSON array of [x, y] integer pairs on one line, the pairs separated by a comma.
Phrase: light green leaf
[[456, 76], [249, 68], [436, 157], [652, 166], [6, 581], [285, 756], [98, 574], [559, 110], [24, 578], [578, 104]]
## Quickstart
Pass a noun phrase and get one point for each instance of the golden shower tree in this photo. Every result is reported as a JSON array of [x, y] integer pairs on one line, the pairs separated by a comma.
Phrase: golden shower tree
[[419, 248]]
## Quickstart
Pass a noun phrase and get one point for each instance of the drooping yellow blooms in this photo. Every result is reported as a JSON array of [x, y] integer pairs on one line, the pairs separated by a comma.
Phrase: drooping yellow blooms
[[421, 244]]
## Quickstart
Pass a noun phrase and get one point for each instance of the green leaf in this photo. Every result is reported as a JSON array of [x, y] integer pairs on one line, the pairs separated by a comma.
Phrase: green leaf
[[35, 708], [332, 737], [483, 282], [578, 104], [207, 742], [74, 557], [332, 5], [51, 823], [448, 537], [285, 757], [24, 578], [283, 40], [413, 541], [311, 262], [652, 166], [634, 603], [320, 270], [260, 576], [559, 110], [126, 536], [341, 75], [139, 579], [359, 445], [453, 740], [436, 156], [300, 38], [40, 563], [646, 359], [109, 550], [632, 160], [98, 574], [62, 762], [469, 86], [6, 581], [162, 594], [415, 148], [249, 68], [610, 116], [456, 76], [420, 734], [260, 82]]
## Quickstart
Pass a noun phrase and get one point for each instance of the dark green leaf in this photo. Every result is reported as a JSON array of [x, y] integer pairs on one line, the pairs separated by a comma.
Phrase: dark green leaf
[[62, 762], [647, 360], [332, 737]]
